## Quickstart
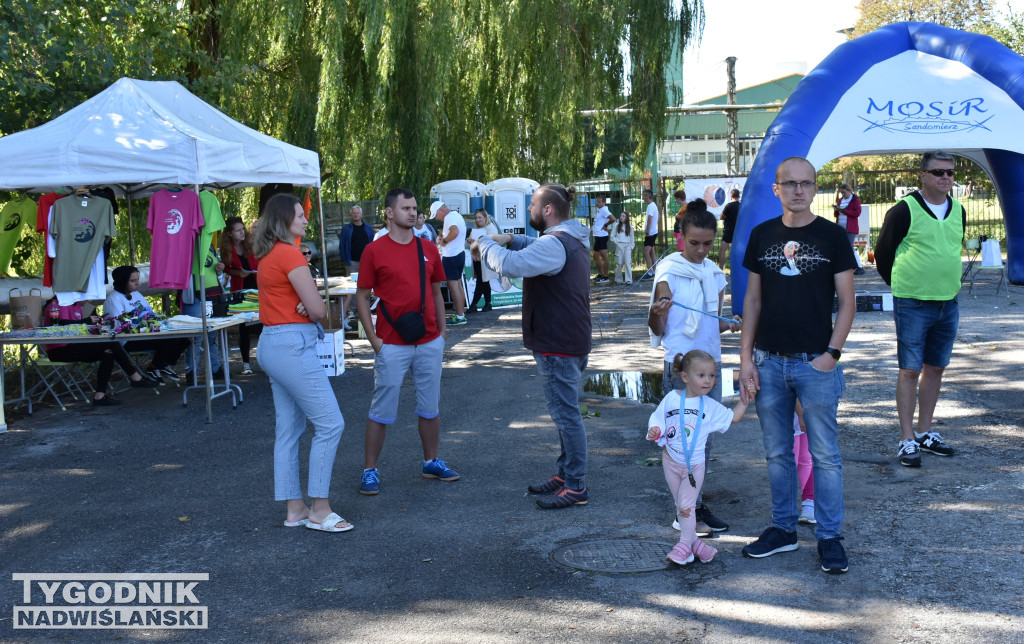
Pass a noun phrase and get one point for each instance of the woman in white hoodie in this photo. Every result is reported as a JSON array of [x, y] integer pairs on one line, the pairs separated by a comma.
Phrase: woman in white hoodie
[[622, 237], [690, 279]]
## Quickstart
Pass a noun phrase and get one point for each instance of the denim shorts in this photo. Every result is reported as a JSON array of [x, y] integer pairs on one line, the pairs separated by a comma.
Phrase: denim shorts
[[925, 331]]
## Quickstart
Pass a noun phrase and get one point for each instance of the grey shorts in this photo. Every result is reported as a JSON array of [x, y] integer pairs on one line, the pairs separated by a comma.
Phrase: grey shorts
[[389, 369]]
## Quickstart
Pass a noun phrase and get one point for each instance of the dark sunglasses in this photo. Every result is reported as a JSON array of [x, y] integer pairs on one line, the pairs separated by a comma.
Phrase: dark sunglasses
[[307, 254], [938, 172]]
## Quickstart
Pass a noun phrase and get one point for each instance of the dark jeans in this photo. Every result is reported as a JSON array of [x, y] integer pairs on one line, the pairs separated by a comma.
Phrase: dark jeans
[[166, 352], [103, 352], [562, 376], [483, 287]]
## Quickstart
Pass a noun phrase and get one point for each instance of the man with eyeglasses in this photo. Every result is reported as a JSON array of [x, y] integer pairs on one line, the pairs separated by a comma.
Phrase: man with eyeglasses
[[918, 254], [798, 263]]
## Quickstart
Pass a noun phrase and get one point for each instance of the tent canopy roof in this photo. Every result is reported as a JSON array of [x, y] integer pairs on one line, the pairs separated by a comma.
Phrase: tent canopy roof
[[139, 136]]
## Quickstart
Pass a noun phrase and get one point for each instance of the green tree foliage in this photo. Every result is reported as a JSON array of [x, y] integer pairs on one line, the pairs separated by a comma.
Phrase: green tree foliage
[[390, 92], [966, 15]]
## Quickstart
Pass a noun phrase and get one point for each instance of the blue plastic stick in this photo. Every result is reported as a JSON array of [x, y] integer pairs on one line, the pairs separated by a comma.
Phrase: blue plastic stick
[[712, 315]]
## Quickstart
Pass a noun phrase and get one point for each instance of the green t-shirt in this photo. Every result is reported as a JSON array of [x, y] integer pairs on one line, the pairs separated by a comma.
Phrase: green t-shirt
[[13, 218], [213, 222]]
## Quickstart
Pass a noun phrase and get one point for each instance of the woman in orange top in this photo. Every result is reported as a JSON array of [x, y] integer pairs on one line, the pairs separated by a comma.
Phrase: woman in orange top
[[240, 264], [291, 310]]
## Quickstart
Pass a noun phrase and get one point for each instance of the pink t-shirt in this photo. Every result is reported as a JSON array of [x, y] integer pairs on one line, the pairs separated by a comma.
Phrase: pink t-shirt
[[175, 218]]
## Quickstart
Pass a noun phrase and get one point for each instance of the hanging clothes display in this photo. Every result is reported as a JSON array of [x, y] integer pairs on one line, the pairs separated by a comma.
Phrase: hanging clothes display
[[174, 219], [213, 222], [13, 218], [79, 226], [42, 222]]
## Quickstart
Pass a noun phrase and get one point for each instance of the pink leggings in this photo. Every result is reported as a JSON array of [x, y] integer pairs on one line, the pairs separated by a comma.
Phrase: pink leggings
[[804, 467], [685, 495]]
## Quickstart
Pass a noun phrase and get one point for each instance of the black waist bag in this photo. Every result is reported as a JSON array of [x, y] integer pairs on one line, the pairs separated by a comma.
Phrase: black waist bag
[[411, 326]]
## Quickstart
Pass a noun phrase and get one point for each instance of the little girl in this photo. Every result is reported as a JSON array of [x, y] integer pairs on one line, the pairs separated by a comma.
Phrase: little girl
[[622, 237], [681, 424]]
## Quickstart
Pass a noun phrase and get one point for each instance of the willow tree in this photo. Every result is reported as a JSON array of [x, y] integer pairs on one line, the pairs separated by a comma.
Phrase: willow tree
[[408, 93], [390, 92]]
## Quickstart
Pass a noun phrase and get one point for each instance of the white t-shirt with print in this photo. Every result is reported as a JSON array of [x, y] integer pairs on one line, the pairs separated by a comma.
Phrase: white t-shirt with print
[[717, 418]]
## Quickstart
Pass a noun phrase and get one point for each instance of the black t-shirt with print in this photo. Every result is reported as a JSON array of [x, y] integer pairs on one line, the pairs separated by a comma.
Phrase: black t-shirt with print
[[797, 268]]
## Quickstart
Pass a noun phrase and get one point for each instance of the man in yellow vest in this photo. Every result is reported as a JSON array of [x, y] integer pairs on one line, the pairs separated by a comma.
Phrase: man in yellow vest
[[918, 253]]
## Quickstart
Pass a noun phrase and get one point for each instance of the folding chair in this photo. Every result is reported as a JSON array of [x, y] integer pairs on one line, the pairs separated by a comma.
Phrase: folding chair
[[56, 379]]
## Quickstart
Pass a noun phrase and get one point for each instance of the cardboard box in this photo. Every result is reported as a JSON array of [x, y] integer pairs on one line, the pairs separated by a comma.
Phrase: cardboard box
[[331, 351]]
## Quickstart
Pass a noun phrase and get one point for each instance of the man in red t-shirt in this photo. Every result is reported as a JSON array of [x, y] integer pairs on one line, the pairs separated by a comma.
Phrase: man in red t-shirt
[[390, 266]]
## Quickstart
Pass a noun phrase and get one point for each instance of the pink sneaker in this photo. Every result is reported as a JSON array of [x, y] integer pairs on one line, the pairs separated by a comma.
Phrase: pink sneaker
[[680, 554], [703, 551]]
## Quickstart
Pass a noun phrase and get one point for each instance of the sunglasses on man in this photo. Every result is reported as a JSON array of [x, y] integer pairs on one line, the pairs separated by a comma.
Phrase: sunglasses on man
[[938, 172]]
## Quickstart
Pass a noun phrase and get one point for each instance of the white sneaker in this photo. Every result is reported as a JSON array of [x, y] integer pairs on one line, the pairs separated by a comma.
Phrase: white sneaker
[[246, 369], [807, 514], [703, 530]]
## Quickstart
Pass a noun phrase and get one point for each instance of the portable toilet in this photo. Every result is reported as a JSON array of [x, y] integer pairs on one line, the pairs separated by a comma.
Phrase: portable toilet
[[507, 202], [462, 195]]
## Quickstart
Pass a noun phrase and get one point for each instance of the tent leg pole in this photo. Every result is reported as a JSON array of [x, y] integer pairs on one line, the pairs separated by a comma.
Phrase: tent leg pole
[[206, 334], [131, 231], [323, 255]]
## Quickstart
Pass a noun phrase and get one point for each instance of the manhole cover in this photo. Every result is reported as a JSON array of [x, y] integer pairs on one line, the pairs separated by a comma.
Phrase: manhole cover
[[614, 555]]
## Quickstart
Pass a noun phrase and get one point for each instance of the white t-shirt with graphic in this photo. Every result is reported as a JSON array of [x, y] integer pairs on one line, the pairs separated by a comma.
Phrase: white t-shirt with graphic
[[717, 418]]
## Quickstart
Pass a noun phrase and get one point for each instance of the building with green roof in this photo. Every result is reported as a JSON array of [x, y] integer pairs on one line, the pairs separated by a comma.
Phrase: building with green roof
[[695, 144]]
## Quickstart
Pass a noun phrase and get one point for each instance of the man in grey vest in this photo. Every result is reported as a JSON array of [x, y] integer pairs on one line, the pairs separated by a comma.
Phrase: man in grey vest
[[918, 253], [556, 324]]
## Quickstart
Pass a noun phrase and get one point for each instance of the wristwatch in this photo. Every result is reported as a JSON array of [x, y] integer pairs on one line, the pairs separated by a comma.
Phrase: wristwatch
[[835, 353]]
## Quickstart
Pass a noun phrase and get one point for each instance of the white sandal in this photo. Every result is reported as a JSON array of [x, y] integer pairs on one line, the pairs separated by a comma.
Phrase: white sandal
[[330, 524]]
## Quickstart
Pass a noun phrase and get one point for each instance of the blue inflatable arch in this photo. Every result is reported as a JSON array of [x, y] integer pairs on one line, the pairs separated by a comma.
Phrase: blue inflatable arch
[[905, 88]]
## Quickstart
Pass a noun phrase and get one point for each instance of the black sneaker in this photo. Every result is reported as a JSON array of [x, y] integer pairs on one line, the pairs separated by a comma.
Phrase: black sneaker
[[713, 522], [487, 307], [563, 498], [772, 541], [932, 443], [549, 486], [144, 383], [909, 453], [832, 556], [858, 271], [154, 375], [105, 401]]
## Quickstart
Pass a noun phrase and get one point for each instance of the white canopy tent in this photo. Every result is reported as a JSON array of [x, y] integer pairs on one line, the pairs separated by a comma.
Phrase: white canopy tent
[[140, 136]]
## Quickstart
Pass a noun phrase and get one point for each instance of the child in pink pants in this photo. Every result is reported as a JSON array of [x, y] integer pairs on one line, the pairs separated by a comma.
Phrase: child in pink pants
[[681, 424], [804, 468]]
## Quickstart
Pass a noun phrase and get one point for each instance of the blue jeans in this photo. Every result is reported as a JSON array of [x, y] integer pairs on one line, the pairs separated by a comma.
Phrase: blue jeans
[[783, 380], [562, 376], [301, 390], [191, 358]]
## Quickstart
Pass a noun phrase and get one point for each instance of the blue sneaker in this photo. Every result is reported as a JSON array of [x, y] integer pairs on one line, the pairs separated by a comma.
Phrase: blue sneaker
[[772, 541], [438, 469], [370, 484]]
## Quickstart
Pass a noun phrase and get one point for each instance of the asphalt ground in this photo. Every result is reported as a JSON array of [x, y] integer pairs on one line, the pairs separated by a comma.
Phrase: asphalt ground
[[936, 553]]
